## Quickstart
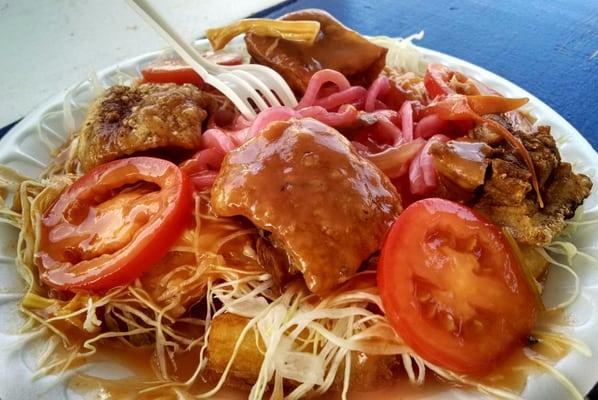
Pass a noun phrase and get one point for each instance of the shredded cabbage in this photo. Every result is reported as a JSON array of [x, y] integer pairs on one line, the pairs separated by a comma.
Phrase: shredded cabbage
[[402, 54]]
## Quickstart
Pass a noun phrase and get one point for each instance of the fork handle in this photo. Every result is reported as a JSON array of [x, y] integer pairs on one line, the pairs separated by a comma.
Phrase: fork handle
[[188, 53], [183, 48]]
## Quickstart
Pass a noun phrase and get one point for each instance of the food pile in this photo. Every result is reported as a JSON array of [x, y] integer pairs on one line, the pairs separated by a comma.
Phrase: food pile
[[387, 226]]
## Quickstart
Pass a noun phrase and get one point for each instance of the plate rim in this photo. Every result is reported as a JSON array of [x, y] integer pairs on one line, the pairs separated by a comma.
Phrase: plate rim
[[33, 116]]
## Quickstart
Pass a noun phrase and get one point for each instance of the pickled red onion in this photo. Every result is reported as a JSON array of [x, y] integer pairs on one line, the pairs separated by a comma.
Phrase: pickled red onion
[[346, 115], [216, 138], [422, 174], [378, 88], [352, 95], [204, 179], [406, 112], [210, 158], [268, 116], [395, 161], [429, 126], [318, 80]]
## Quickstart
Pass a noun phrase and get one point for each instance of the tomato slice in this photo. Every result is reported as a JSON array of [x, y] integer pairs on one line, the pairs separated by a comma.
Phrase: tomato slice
[[173, 71], [452, 288], [440, 80], [435, 80], [113, 224], [223, 58]]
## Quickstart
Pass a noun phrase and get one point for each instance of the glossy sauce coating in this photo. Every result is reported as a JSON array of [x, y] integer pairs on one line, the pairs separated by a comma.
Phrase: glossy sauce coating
[[101, 229], [112, 224], [462, 163], [325, 205], [336, 47]]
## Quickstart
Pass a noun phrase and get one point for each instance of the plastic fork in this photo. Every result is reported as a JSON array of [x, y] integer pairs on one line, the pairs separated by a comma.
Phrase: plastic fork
[[246, 85]]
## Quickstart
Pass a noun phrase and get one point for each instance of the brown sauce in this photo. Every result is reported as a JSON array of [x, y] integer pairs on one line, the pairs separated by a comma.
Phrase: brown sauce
[[142, 363], [511, 375]]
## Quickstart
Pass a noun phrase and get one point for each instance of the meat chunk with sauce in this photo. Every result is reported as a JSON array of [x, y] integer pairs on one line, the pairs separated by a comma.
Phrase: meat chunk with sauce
[[527, 222], [499, 183], [127, 120], [325, 208], [461, 167], [336, 47]]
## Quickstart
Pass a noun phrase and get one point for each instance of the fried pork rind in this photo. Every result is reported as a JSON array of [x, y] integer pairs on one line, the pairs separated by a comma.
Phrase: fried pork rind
[[487, 174], [127, 120], [507, 198]]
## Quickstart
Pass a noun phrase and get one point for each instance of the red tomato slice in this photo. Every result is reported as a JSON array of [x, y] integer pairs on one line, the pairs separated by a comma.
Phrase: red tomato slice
[[175, 72], [223, 57], [440, 80], [452, 288], [435, 80], [172, 73], [113, 224]]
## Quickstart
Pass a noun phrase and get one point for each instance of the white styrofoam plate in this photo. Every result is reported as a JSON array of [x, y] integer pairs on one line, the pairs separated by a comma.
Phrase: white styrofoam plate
[[23, 150]]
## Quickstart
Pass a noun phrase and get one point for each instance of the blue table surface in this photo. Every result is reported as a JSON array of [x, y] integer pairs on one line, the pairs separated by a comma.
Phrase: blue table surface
[[549, 48]]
